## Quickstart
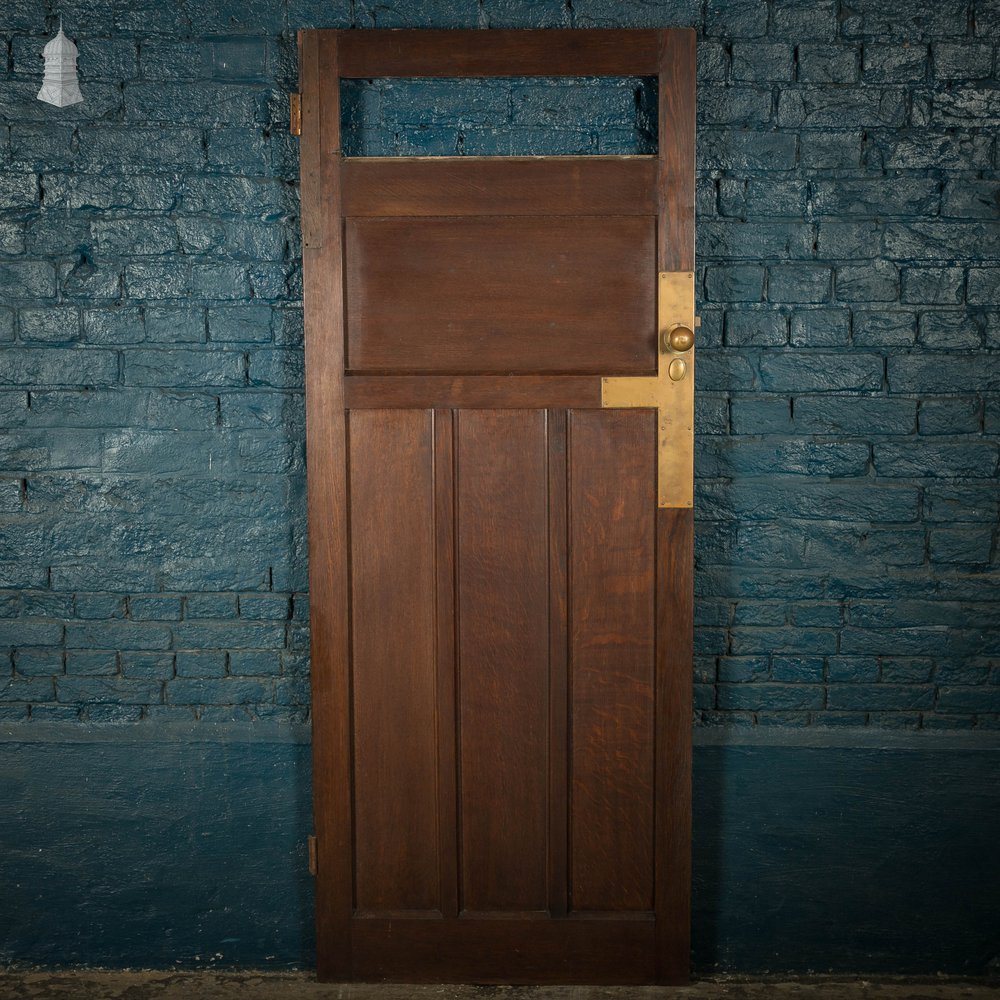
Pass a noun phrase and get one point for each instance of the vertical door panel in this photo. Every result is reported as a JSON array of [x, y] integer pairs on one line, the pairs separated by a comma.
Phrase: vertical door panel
[[612, 461], [394, 671], [503, 651]]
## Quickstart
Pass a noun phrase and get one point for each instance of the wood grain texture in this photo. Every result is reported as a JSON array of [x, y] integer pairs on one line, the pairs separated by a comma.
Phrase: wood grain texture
[[432, 53], [674, 658], [446, 653], [675, 185], [501, 296], [503, 658], [394, 671], [491, 186], [535, 747], [327, 502], [675, 544], [505, 951], [489, 392], [556, 421], [612, 572]]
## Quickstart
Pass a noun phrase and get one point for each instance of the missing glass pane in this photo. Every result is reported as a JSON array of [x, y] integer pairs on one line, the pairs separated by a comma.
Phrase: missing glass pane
[[565, 116]]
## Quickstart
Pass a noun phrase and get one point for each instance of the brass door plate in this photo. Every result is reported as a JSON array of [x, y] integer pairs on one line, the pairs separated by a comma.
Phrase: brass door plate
[[670, 393]]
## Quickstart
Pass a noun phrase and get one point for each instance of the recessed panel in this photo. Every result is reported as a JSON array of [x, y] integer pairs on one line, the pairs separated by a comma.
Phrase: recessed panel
[[501, 295], [393, 664], [503, 659], [612, 567]]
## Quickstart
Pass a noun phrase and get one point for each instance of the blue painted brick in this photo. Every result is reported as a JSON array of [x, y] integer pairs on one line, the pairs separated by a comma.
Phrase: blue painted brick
[[858, 415], [881, 697], [802, 19], [755, 62], [933, 285], [967, 545], [219, 691], [797, 669], [90, 663], [117, 635], [828, 63], [813, 372], [736, 18], [830, 150], [147, 666], [974, 459], [740, 283], [31, 689], [852, 669], [755, 328], [776, 697], [758, 613], [154, 608], [948, 331], [961, 61], [739, 105], [799, 283], [907, 670], [110, 690], [911, 21], [240, 324], [113, 326], [951, 416], [27, 280], [264, 607], [841, 107], [742, 669], [38, 662], [873, 328], [820, 328], [737, 150], [894, 63], [254, 662], [201, 663], [16, 633], [877, 281]]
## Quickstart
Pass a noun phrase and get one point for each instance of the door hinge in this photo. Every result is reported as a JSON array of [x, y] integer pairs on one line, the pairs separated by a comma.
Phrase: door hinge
[[311, 841], [295, 114]]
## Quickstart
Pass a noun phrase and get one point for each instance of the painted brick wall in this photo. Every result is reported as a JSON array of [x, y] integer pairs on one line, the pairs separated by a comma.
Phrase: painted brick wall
[[152, 498]]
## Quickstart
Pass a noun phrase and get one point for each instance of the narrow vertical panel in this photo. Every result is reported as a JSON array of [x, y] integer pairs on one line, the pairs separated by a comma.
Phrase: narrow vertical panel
[[444, 535], [674, 542], [558, 666], [674, 693], [503, 658], [675, 181], [394, 670], [323, 300], [612, 572]]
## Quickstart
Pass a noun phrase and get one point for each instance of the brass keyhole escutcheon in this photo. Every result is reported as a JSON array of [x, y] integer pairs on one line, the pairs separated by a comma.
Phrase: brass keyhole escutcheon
[[680, 339], [677, 370]]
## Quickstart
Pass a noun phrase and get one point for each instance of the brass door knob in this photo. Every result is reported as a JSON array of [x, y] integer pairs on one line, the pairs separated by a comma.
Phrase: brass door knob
[[680, 339]]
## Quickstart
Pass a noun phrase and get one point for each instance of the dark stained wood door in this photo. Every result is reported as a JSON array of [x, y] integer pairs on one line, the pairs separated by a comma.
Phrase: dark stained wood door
[[501, 595]]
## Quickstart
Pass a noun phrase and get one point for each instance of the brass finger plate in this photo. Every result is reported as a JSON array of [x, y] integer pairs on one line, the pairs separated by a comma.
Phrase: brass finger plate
[[671, 392]]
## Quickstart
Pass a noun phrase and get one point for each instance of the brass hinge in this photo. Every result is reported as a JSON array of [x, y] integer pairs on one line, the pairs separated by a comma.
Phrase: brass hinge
[[670, 392], [311, 841], [295, 114]]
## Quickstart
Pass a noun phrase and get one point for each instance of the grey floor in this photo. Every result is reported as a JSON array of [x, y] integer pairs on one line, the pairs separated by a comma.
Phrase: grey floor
[[268, 986]]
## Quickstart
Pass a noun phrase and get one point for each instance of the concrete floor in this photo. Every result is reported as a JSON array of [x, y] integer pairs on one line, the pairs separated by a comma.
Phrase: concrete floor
[[301, 986]]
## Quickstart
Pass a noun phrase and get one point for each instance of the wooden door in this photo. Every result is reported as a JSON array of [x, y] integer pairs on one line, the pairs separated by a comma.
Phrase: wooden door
[[500, 531]]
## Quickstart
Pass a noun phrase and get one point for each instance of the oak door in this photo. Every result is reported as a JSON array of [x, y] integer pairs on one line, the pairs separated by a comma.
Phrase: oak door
[[499, 463]]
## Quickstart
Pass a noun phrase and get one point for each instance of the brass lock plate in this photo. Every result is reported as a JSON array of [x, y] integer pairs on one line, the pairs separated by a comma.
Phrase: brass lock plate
[[670, 392]]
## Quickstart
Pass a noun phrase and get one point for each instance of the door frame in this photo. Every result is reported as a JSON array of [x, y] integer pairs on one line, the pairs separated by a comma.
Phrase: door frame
[[327, 56]]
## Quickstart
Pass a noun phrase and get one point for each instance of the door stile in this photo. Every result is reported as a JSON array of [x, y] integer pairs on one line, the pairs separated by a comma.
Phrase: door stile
[[558, 835], [674, 544], [446, 653], [322, 263]]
